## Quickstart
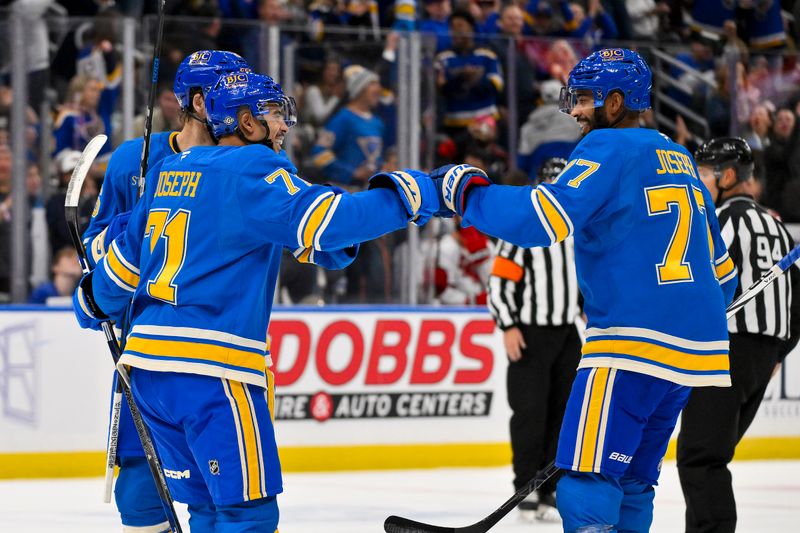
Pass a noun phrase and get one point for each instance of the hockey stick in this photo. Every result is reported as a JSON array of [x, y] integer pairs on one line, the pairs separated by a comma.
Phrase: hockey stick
[[71, 212], [771, 275], [397, 524], [151, 98], [113, 438], [113, 441]]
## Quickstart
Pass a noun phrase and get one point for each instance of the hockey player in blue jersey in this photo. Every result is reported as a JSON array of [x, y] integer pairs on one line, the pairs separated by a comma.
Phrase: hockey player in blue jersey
[[655, 275], [200, 255], [135, 493]]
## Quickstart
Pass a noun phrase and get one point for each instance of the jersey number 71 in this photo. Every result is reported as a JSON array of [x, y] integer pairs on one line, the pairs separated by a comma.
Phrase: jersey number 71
[[174, 230]]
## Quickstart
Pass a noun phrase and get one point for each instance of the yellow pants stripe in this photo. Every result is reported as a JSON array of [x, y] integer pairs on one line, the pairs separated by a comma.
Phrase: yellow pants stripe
[[226, 386], [594, 414], [249, 443]]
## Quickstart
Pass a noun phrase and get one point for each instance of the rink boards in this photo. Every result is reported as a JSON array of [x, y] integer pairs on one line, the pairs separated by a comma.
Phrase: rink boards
[[357, 388]]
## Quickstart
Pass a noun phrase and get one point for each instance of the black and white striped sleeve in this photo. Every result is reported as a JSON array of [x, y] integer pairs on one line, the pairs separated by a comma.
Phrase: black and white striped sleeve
[[507, 272]]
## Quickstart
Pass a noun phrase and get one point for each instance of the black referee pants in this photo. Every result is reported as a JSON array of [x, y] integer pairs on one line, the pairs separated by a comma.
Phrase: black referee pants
[[538, 386], [712, 424]]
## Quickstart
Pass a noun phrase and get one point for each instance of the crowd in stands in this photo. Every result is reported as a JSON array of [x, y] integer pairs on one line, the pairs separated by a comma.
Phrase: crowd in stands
[[743, 78]]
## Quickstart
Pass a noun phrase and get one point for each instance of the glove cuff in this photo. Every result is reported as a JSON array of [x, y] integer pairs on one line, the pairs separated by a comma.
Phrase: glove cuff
[[415, 189], [456, 183], [86, 299]]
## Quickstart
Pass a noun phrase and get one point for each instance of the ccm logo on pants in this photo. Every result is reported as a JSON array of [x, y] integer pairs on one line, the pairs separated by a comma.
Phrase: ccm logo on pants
[[177, 474]]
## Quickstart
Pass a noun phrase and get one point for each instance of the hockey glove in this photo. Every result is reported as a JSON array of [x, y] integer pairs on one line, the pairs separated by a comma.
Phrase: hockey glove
[[88, 314], [453, 183], [117, 226], [415, 189]]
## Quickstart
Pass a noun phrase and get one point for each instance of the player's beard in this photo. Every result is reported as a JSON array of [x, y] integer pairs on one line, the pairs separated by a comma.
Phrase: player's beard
[[600, 121], [589, 123]]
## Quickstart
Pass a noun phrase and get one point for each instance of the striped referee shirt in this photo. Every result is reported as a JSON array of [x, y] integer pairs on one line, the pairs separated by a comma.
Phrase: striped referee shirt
[[533, 285], [756, 241]]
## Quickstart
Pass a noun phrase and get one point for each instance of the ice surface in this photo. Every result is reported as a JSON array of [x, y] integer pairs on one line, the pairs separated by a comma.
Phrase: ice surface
[[768, 497]]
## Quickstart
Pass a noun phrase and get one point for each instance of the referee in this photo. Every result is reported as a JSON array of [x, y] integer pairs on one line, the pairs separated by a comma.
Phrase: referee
[[533, 297], [715, 419]]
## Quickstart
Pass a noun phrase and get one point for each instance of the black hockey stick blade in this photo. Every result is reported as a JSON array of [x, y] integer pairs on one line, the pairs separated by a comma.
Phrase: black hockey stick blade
[[398, 524]]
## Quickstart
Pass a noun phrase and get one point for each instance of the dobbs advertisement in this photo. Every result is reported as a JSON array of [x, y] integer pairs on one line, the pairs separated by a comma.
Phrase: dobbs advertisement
[[388, 378]]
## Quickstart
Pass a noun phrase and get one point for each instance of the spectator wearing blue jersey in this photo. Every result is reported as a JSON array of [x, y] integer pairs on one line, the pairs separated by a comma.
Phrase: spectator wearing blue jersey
[[487, 14], [405, 15], [765, 26], [593, 24], [436, 22], [79, 119], [469, 77], [710, 15], [350, 146]]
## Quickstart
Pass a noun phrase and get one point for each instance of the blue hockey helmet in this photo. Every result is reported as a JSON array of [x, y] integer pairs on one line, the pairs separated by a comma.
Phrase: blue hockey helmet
[[261, 94], [608, 70], [202, 69]]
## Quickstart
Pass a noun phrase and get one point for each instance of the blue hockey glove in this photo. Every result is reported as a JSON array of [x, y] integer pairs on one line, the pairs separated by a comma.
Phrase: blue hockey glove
[[415, 189], [117, 226], [88, 314], [453, 183]]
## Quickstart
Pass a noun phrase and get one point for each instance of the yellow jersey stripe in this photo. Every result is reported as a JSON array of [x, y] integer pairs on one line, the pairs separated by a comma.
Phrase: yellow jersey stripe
[[271, 393], [725, 268], [315, 221], [651, 334], [497, 81], [540, 213], [251, 448], [173, 142], [120, 270], [658, 354], [324, 159], [404, 9], [305, 255], [98, 247], [592, 425], [197, 351], [554, 218]]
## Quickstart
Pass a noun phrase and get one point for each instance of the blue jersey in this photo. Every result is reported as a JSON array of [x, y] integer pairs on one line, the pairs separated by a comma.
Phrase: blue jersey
[[464, 102], [440, 29], [652, 266], [120, 189], [348, 141], [206, 241], [710, 15], [766, 27]]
